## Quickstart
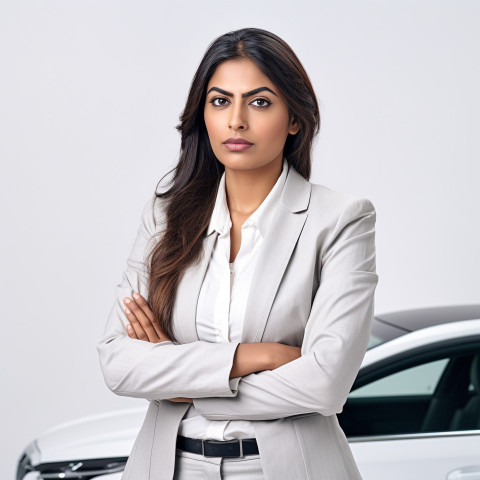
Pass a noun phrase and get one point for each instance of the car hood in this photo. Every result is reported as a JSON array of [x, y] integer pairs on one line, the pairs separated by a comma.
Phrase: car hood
[[97, 436]]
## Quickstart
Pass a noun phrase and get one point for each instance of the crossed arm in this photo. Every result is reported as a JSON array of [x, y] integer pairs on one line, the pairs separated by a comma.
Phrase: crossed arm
[[158, 369], [248, 358], [334, 343]]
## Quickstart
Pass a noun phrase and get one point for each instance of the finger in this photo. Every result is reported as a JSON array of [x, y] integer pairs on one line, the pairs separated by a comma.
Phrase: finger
[[136, 325], [131, 332], [142, 303], [144, 321], [138, 330]]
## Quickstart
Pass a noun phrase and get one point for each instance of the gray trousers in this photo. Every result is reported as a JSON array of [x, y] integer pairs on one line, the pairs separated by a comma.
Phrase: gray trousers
[[193, 466]]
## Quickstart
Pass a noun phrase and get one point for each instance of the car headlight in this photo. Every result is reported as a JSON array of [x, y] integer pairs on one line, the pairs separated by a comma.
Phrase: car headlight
[[78, 469]]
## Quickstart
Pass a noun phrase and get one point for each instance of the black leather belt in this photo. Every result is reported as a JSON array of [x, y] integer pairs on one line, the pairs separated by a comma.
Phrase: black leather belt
[[217, 448]]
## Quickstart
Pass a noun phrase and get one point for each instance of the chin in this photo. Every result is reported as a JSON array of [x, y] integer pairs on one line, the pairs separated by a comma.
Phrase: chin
[[246, 167]]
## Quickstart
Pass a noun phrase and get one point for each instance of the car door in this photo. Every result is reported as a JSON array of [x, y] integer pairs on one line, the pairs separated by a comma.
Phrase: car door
[[415, 416]]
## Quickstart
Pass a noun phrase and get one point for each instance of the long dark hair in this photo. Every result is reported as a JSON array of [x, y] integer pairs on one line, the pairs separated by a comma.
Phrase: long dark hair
[[193, 187]]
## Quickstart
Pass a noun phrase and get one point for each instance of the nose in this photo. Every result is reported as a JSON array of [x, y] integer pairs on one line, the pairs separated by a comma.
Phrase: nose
[[237, 118]]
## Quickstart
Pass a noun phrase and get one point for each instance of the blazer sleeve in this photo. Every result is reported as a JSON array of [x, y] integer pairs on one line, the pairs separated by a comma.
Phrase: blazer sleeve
[[164, 370], [335, 339]]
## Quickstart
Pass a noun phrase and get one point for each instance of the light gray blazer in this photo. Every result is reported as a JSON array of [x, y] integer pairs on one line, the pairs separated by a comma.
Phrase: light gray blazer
[[313, 287]]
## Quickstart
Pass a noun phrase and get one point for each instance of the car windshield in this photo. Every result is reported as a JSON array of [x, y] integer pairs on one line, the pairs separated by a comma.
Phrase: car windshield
[[382, 332], [375, 341]]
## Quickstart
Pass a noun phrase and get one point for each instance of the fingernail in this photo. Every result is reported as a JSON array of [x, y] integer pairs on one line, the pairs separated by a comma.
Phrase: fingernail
[[136, 295], [127, 310], [127, 300]]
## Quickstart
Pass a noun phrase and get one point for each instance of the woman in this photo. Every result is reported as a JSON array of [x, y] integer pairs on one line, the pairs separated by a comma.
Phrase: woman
[[244, 312]]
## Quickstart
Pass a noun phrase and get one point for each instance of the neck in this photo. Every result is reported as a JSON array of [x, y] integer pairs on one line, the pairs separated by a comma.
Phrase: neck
[[247, 189]]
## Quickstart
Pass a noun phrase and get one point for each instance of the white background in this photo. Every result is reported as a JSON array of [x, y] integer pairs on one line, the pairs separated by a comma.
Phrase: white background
[[90, 93]]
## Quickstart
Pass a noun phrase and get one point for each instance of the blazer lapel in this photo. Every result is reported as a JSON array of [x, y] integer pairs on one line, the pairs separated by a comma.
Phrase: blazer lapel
[[275, 254], [188, 290]]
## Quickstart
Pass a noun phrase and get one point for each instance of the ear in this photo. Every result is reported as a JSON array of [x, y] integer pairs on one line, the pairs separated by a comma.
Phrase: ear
[[294, 126]]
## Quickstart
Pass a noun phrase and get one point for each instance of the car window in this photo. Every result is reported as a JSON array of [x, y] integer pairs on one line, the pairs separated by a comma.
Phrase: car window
[[418, 380], [434, 391]]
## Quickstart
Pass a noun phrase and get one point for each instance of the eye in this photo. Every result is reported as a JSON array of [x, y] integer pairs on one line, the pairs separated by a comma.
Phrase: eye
[[221, 101], [263, 102]]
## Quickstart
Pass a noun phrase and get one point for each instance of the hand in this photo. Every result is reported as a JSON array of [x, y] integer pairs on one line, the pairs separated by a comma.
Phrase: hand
[[142, 326]]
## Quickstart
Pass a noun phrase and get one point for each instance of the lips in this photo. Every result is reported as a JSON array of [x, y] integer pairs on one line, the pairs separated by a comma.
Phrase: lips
[[237, 140], [237, 144]]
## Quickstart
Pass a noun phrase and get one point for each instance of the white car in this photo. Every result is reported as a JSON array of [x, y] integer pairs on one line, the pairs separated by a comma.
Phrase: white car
[[413, 412]]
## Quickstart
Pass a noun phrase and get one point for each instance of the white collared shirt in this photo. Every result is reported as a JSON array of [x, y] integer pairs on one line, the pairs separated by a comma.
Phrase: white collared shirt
[[224, 293]]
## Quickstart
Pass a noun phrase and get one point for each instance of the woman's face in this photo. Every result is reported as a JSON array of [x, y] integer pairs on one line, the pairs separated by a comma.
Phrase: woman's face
[[243, 103]]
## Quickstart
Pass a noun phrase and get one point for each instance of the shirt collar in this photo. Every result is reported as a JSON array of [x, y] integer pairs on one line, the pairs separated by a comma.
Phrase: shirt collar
[[261, 217]]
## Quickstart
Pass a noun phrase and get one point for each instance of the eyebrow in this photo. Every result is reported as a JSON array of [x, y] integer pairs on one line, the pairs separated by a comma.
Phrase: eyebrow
[[246, 94]]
